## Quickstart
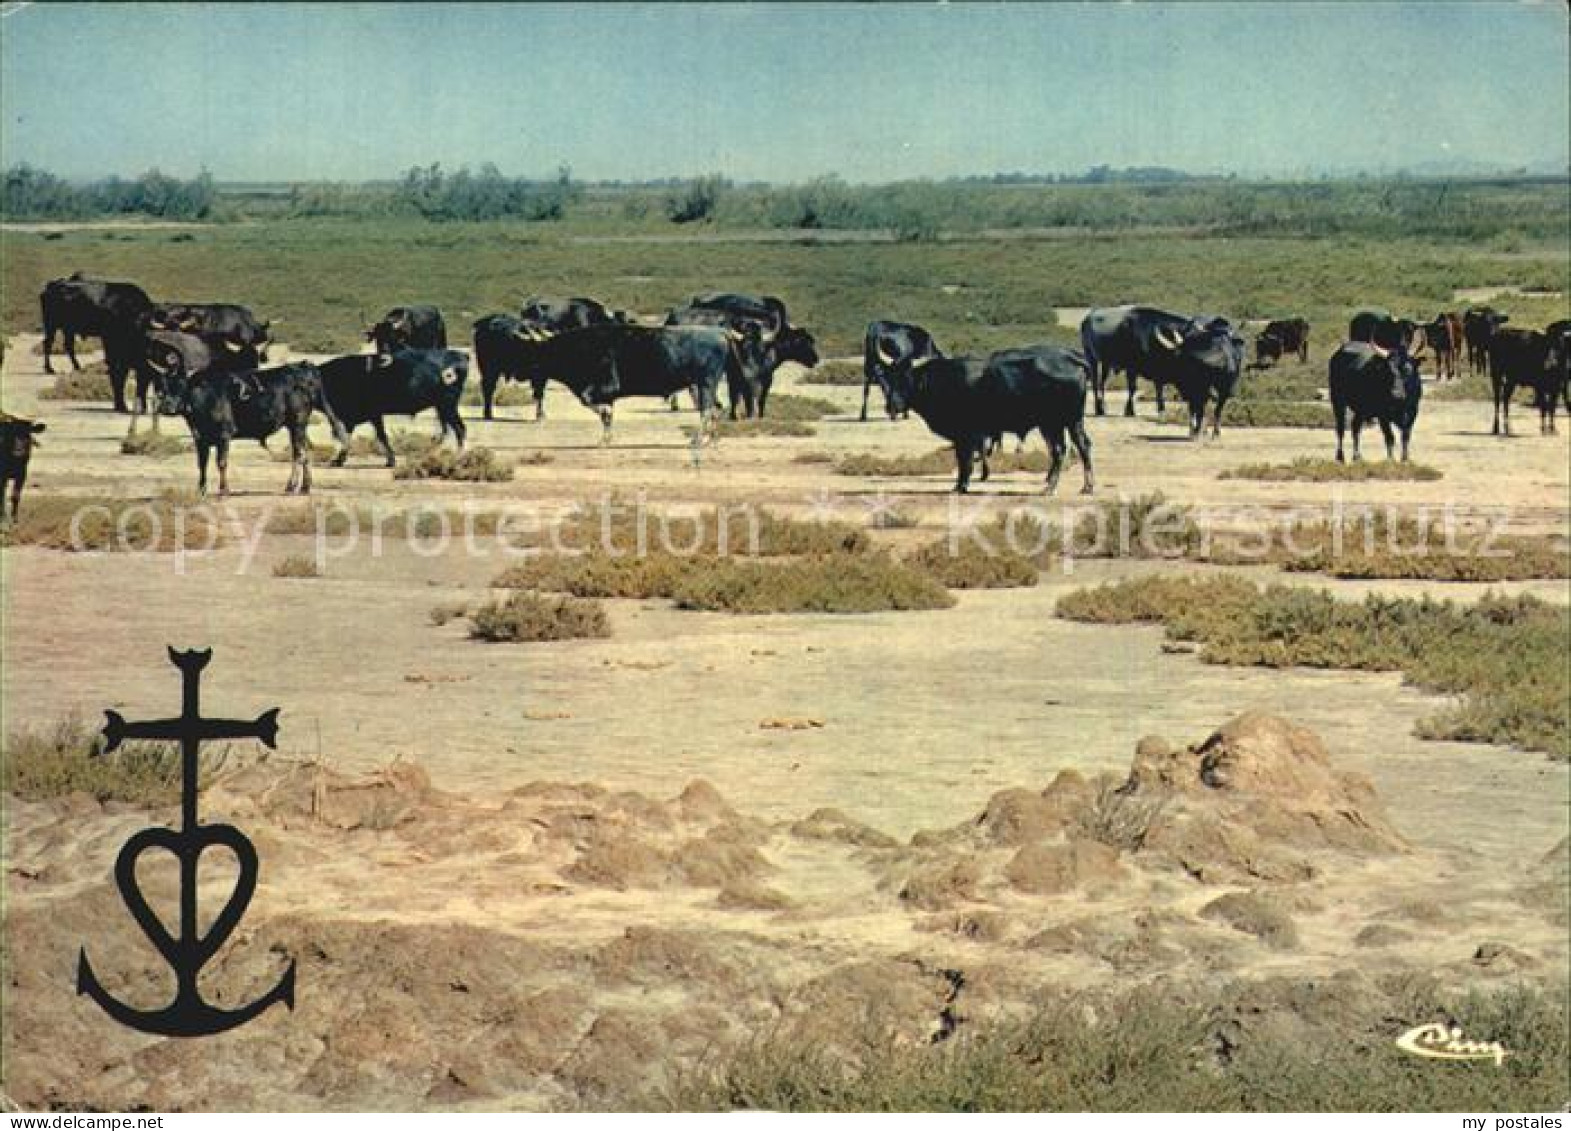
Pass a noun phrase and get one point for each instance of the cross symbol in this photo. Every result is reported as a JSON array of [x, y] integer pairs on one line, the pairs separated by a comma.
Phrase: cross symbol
[[188, 1015]]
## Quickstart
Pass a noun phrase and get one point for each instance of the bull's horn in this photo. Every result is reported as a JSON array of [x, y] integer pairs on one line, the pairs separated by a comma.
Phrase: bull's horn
[[232, 346], [1379, 349], [1169, 338], [886, 358], [734, 334]]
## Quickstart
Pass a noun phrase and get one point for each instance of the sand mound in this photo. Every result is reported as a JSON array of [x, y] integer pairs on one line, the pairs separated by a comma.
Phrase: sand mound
[[1255, 801], [566, 944]]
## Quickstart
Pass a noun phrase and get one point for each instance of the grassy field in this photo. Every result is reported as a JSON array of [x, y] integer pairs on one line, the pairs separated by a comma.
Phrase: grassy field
[[321, 281]]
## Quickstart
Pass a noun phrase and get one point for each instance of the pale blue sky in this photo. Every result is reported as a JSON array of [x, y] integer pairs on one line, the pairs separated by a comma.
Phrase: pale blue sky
[[780, 91]]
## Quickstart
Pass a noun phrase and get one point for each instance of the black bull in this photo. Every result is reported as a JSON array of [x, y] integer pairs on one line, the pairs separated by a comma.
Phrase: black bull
[[968, 400], [115, 313], [603, 364], [363, 388]]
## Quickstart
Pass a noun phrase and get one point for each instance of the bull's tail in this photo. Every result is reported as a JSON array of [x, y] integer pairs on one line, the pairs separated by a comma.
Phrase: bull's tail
[[320, 402]]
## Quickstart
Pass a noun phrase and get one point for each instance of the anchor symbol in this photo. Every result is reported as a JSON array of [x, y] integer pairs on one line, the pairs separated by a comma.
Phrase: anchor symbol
[[188, 1015]]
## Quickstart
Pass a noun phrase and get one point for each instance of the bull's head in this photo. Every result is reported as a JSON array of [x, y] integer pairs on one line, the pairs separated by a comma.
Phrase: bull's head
[[19, 433]]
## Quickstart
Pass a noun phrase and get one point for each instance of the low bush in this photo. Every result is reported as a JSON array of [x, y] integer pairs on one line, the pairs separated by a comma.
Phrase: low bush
[[158, 445], [965, 564], [102, 523], [296, 565], [90, 384], [67, 757], [834, 372], [1121, 1051], [472, 465], [530, 616], [861, 583], [1507, 659], [1308, 470]]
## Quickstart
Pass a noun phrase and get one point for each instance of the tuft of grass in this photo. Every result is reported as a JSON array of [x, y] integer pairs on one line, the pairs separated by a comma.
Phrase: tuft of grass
[[509, 394], [536, 458], [754, 427], [892, 518], [158, 445], [530, 616], [102, 523], [448, 611], [791, 406], [1309, 470], [473, 465], [1506, 659], [67, 757], [91, 384], [813, 457], [1121, 1051], [838, 371], [862, 583], [939, 461], [296, 565]]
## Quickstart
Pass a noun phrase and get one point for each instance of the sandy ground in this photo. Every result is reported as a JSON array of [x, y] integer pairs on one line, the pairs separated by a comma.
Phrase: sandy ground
[[925, 717]]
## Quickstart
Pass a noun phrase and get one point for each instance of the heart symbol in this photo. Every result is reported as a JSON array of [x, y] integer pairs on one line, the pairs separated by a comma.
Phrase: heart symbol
[[188, 953]]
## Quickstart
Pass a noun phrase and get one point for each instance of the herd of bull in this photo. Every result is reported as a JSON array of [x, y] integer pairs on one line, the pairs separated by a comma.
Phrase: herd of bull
[[204, 361]]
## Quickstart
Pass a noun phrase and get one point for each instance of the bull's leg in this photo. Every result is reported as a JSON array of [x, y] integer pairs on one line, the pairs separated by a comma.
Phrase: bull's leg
[[1390, 438], [70, 349], [964, 452], [605, 424], [49, 341], [867, 386], [118, 378], [16, 496], [1099, 387], [381, 438], [294, 466], [539, 390], [488, 394], [452, 420], [1216, 418], [1129, 405], [300, 441], [1161, 396], [982, 453], [1056, 448], [202, 448], [1358, 430], [223, 467], [671, 403], [1339, 412], [1407, 436], [1082, 441], [763, 394], [1507, 391]]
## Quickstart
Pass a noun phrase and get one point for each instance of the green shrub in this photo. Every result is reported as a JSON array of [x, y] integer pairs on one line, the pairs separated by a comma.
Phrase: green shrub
[[1107, 1051], [40, 763]]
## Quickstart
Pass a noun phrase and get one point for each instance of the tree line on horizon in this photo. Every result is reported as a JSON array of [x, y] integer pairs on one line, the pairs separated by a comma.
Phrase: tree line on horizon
[[1101, 199]]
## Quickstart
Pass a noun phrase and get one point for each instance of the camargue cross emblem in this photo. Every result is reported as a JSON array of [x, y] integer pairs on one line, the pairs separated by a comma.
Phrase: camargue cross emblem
[[188, 1015]]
